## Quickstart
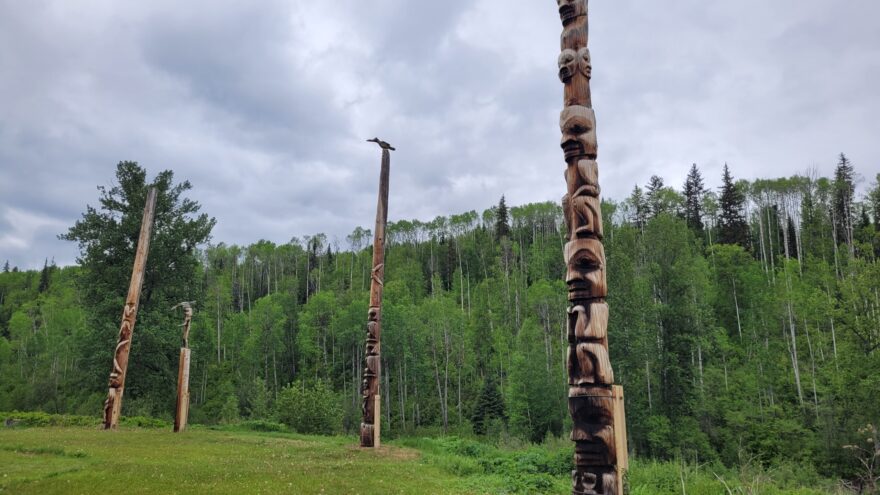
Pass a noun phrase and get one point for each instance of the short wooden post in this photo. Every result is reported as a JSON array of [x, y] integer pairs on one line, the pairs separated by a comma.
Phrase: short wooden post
[[113, 404], [182, 413]]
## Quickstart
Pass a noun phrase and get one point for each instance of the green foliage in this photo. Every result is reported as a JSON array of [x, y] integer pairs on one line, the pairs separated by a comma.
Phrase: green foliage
[[733, 228], [107, 237], [312, 408], [229, 412], [490, 405], [761, 352]]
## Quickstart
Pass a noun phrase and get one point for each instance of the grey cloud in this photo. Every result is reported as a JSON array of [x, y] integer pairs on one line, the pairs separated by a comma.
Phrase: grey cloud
[[265, 107]]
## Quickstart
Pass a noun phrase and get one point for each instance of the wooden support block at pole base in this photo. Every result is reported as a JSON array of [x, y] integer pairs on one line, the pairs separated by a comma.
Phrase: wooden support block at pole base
[[182, 414], [620, 434], [376, 427]]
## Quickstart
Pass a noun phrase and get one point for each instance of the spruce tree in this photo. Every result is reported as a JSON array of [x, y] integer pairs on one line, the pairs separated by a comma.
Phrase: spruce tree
[[844, 194], [44, 277], [6, 267], [694, 190], [732, 226], [639, 207], [654, 196], [502, 225], [490, 405], [792, 239]]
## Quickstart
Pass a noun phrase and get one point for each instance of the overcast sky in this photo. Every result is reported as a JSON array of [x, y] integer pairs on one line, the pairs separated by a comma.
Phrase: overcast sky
[[265, 106]]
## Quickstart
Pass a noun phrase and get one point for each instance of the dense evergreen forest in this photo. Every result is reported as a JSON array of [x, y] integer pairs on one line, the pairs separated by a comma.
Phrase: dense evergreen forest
[[745, 322]]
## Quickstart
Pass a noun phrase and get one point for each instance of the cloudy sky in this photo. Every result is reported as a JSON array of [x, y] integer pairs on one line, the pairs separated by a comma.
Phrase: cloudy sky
[[264, 106]]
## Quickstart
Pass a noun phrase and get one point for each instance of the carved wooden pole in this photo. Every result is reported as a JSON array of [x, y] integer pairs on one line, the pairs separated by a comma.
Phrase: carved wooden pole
[[182, 411], [372, 368], [592, 398], [113, 404]]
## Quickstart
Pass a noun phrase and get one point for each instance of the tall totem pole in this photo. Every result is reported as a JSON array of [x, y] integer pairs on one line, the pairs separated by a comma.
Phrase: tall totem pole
[[594, 402], [372, 368], [113, 404]]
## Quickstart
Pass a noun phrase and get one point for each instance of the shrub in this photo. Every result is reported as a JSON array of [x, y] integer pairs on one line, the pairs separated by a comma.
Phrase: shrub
[[310, 409]]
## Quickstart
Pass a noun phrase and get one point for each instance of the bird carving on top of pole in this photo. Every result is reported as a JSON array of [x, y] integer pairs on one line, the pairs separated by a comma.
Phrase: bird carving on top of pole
[[382, 144]]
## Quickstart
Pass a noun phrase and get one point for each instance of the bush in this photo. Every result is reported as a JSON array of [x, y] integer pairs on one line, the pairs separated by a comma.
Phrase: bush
[[310, 409], [39, 419], [229, 412], [262, 425], [144, 422]]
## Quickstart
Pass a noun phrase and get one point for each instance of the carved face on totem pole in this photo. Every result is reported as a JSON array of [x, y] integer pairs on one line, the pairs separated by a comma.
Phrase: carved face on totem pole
[[585, 64], [372, 330], [593, 430], [578, 126], [569, 10], [585, 275], [568, 63]]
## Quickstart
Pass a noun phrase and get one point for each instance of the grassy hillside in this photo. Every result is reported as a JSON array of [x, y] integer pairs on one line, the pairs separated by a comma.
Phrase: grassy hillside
[[73, 460]]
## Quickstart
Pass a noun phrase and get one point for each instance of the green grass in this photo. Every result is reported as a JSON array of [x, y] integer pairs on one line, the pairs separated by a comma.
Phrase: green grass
[[132, 461], [73, 460]]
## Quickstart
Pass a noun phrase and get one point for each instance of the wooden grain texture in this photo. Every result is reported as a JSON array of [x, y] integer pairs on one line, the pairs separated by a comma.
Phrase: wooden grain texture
[[181, 412], [113, 404], [181, 416], [372, 362], [594, 402]]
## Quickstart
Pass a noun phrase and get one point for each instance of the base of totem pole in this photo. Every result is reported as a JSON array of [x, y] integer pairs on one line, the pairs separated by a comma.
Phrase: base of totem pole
[[182, 413], [620, 435], [115, 410]]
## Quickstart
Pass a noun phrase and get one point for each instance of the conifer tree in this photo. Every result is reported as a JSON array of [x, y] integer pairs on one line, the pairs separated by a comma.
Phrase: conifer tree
[[6, 267], [44, 277], [844, 194], [792, 240], [502, 225], [732, 228], [639, 207], [490, 405], [654, 196], [694, 190]]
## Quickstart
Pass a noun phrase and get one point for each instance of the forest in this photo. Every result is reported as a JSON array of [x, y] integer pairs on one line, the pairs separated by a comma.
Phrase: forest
[[745, 322]]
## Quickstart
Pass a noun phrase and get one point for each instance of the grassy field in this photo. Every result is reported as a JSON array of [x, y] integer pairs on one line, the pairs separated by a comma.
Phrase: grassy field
[[132, 461], [85, 460]]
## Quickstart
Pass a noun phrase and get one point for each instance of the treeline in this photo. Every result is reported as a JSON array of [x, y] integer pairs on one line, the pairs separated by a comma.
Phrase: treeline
[[745, 323]]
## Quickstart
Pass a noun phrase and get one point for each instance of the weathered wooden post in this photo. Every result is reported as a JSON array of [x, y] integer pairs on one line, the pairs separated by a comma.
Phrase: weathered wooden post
[[372, 369], [113, 404], [594, 402], [182, 411]]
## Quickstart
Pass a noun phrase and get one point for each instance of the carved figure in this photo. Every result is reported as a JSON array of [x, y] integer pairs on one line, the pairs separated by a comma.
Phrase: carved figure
[[569, 10], [568, 64], [584, 63], [594, 402], [578, 125], [372, 362], [113, 403]]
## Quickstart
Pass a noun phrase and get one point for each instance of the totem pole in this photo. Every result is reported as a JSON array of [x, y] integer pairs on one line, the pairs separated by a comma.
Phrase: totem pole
[[594, 402], [370, 386], [182, 411], [113, 404]]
